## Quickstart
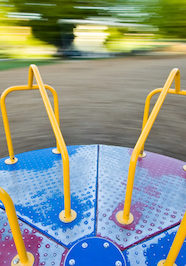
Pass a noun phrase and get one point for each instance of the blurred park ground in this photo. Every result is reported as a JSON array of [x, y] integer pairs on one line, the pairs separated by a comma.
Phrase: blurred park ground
[[101, 101], [100, 28]]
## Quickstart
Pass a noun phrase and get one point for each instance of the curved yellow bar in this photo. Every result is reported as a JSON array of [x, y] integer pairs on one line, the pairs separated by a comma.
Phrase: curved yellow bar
[[67, 215], [125, 217], [14, 226], [176, 245], [5, 116], [147, 104]]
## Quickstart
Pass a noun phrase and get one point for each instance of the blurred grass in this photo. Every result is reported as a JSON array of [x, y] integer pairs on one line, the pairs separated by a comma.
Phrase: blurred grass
[[10, 64]]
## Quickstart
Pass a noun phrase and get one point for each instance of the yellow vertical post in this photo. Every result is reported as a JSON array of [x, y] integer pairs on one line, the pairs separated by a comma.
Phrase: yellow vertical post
[[124, 216], [24, 257], [176, 245], [56, 112], [148, 99], [177, 82], [68, 215], [146, 115], [12, 158]]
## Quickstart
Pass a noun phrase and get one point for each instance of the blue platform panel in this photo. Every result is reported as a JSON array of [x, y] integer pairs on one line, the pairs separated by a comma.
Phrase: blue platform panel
[[98, 175], [150, 252], [94, 251], [158, 200], [45, 251], [35, 184]]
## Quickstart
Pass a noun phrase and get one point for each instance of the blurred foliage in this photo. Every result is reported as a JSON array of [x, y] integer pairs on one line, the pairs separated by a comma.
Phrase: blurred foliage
[[48, 27], [168, 17], [53, 22]]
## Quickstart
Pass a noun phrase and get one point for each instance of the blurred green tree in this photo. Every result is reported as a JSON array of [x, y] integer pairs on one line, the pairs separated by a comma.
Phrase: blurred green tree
[[47, 19], [168, 17]]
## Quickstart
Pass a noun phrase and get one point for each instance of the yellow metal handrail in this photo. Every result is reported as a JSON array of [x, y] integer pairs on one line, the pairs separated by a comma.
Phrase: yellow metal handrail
[[5, 116], [176, 245], [24, 257], [67, 215], [147, 105], [124, 216]]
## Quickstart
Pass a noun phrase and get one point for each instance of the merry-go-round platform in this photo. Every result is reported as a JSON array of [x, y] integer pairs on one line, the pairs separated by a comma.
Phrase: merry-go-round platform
[[82, 206]]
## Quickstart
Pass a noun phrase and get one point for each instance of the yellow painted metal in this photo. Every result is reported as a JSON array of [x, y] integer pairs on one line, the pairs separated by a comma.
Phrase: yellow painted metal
[[34, 72], [56, 151], [54, 120], [12, 159], [161, 263], [29, 262], [176, 245], [14, 225], [174, 75], [9, 161], [65, 219], [147, 105], [119, 217]]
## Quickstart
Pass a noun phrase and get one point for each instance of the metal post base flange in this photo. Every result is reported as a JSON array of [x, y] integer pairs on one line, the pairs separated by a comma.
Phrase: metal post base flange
[[64, 219], [55, 151], [162, 263], [142, 155], [16, 261], [119, 217], [9, 161]]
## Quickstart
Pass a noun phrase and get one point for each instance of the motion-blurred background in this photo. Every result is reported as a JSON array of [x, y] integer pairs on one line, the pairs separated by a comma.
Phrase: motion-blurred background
[[101, 101], [46, 28]]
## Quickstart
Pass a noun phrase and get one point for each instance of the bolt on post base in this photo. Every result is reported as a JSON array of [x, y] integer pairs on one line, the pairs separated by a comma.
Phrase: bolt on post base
[[184, 167], [142, 155], [16, 261], [119, 217], [9, 161], [55, 151], [162, 262], [64, 219]]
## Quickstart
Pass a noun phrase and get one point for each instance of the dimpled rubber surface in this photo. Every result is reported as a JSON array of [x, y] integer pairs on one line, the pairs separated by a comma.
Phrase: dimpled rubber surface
[[36, 187], [158, 200], [45, 251], [150, 252]]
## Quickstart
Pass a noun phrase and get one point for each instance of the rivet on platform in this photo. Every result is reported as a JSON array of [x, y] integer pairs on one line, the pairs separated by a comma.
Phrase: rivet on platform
[[118, 263], [72, 262], [9, 161], [119, 217], [55, 151], [84, 245], [184, 167], [106, 245]]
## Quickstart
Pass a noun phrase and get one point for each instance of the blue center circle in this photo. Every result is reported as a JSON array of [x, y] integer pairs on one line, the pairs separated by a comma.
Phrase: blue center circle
[[95, 251]]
